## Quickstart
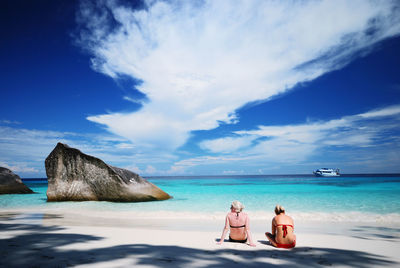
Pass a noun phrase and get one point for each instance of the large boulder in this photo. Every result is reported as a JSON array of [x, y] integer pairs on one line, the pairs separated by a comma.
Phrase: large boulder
[[75, 176], [11, 183]]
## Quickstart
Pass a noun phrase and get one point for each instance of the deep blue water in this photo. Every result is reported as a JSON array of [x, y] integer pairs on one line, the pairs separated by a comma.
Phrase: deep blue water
[[379, 194]]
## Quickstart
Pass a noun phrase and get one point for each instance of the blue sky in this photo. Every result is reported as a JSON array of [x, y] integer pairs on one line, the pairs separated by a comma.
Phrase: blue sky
[[202, 88]]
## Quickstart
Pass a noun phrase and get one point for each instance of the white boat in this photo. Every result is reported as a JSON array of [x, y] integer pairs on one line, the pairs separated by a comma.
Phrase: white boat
[[326, 172]]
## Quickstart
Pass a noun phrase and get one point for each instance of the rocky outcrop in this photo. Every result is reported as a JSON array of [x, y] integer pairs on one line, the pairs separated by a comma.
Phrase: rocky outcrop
[[11, 183], [75, 176]]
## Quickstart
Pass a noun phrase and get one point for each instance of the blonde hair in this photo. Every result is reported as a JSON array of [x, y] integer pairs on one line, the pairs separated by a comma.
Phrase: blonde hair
[[279, 209], [237, 206]]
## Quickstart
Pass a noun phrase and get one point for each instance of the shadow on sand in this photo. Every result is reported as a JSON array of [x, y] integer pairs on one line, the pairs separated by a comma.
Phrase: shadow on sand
[[377, 233], [28, 245]]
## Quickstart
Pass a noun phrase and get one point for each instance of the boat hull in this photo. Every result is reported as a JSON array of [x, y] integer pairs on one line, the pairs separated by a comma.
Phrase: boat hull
[[326, 172], [326, 175]]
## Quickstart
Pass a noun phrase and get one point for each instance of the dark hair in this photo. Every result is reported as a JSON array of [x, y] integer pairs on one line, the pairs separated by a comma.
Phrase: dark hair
[[279, 209]]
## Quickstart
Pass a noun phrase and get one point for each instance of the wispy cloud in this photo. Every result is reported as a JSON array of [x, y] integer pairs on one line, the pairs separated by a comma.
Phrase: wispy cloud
[[227, 145], [373, 132], [9, 122], [20, 168], [136, 101], [186, 166], [389, 111], [24, 150], [200, 61]]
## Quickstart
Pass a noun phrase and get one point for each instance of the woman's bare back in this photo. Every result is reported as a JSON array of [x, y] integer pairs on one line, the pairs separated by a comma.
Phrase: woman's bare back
[[284, 227], [237, 222]]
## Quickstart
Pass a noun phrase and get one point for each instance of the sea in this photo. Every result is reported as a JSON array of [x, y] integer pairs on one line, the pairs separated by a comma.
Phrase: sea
[[363, 197]]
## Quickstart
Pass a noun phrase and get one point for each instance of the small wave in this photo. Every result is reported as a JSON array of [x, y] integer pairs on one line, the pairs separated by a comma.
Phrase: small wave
[[342, 217]]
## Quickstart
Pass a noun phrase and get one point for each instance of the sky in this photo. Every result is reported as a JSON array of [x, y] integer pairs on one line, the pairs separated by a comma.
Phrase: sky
[[202, 87]]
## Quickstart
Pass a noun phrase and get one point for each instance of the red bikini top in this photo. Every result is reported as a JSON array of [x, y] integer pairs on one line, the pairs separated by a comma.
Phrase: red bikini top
[[284, 228]]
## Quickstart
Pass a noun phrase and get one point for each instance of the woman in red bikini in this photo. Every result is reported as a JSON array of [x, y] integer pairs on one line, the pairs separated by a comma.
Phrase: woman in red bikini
[[239, 224], [282, 230]]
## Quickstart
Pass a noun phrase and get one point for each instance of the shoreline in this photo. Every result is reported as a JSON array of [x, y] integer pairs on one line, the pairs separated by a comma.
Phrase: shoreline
[[128, 214], [68, 238]]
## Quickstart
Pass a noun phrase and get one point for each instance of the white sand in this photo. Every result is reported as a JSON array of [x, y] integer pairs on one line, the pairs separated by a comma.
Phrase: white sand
[[51, 238]]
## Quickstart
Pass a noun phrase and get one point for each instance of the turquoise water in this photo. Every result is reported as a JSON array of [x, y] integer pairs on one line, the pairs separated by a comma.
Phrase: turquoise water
[[377, 194]]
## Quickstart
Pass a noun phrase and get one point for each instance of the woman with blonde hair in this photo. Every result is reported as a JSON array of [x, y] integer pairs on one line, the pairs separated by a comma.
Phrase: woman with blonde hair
[[239, 224], [282, 235]]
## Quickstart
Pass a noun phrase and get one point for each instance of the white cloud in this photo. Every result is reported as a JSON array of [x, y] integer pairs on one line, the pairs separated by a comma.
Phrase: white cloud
[[20, 168], [183, 166], [9, 122], [233, 172], [226, 145], [200, 61], [367, 146], [136, 101], [25, 150], [297, 143], [388, 111], [150, 170], [266, 147]]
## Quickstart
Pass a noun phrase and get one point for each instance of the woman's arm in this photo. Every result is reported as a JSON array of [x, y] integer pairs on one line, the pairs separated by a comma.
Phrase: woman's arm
[[249, 233], [273, 227], [226, 228], [271, 237]]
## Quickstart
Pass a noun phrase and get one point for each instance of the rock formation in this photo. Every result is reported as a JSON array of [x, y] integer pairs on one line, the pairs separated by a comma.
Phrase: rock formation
[[75, 176], [11, 183]]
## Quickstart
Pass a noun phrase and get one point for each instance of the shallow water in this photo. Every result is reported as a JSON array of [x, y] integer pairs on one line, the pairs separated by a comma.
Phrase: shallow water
[[363, 194]]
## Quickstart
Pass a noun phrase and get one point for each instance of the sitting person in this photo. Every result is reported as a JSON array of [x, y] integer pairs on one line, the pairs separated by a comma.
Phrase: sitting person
[[282, 230], [239, 224]]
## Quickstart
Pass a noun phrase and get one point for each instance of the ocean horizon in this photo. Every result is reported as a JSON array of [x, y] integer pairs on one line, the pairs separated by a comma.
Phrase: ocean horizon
[[250, 175]]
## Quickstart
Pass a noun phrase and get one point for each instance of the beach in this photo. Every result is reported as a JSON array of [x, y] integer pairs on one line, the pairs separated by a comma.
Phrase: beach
[[130, 129], [79, 238], [340, 222]]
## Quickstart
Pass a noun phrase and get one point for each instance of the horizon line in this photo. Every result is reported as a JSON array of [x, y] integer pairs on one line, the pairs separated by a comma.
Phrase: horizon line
[[256, 175]]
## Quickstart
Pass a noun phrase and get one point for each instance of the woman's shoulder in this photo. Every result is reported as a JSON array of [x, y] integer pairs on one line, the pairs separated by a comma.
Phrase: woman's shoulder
[[283, 219], [244, 215], [234, 214], [230, 214]]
